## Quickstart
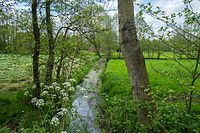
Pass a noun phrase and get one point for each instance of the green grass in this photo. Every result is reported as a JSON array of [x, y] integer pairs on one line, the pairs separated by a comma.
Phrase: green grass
[[118, 101], [15, 68], [12, 106], [117, 72]]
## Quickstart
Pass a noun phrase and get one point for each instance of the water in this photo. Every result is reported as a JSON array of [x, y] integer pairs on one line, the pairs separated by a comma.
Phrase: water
[[85, 106]]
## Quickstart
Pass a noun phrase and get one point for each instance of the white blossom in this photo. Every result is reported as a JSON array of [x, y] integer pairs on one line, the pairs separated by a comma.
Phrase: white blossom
[[41, 84], [40, 102], [82, 89], [50, 87], [54, 95], [78, 86], [72, 80], [34, 100], [57, 88], [55, 84], [65, 98], [26, 93], [55, 121], [62, 112], [62, 91], [63, 132], [71, 88], [67, 84], [44, 93], [64, 94]]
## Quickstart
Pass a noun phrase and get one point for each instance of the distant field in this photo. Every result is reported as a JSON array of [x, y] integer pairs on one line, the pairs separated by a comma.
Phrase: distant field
[[163, 55], [14, 69]]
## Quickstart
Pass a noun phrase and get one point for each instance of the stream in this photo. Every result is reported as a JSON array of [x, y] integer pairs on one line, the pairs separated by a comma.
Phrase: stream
[[84, 104]]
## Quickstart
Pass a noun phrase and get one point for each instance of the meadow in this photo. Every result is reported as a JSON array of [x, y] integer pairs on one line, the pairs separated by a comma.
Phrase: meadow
[[118, 105]]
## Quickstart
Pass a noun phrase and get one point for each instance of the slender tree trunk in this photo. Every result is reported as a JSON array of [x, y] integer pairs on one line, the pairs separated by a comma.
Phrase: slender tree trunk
[[195, 76], [36, 31], [134, 61], [61, 58], [50, 62]]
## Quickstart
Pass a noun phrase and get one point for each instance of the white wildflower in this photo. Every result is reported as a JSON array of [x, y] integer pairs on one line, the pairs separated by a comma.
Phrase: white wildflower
[[40, 102], [54, 95], [57, 88], [78, 130], [78, 86], [62, 91], [60, 113], [55, 84], [71, 88], [72, 80], [26, 93], [64, 94], [50, 87], [82, 89], [44, 93], [41, 84], [55, 121], [34, 86], [34, 100], [63, 132], [65, 98], [67, 84]]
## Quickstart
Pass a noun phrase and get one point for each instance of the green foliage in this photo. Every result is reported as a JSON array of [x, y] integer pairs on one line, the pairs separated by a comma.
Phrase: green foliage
[[118, 103]]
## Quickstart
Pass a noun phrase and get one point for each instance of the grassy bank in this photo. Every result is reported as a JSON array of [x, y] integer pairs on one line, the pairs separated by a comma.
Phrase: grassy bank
[[118, 105]]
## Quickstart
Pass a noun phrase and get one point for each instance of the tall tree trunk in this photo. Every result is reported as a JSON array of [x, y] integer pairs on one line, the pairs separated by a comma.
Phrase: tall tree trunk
[[36, 49], [134, 61], [50, 62]]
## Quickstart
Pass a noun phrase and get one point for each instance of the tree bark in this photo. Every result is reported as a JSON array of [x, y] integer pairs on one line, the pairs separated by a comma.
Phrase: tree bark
[[36, 31], [50, 62], [134, 61]]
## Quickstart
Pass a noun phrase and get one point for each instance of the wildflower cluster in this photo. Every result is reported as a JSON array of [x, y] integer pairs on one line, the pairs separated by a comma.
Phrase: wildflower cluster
[[56, 99], [55, 121], [63, 112], [37, 102]]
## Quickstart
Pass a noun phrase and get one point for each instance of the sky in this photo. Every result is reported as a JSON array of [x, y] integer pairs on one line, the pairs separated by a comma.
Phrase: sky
[[170, 6]]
